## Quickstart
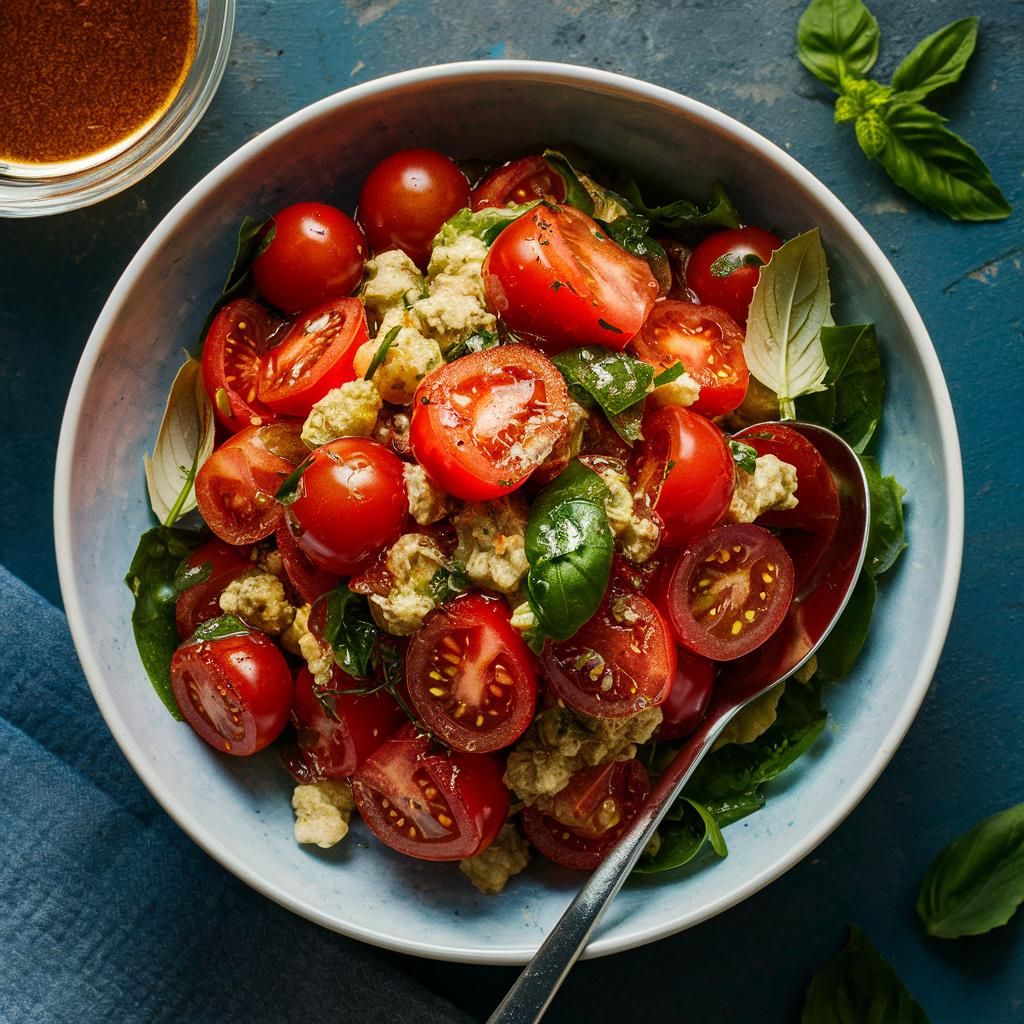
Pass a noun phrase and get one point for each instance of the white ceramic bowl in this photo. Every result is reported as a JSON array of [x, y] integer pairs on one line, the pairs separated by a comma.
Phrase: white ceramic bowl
[[238, 810]]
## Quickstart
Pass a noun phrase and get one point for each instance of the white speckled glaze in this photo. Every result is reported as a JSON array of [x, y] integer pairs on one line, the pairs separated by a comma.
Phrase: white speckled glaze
[[238, 810]]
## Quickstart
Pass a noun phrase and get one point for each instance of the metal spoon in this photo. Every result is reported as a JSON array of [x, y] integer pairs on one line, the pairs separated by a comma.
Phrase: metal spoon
[[806, 626]]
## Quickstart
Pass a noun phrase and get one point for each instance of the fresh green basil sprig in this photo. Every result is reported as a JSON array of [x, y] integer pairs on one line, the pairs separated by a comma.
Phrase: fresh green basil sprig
[[350, 631], [838, 42]]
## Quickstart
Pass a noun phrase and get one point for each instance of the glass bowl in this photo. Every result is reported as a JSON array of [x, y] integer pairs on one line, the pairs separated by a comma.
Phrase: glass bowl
[[36, 195]]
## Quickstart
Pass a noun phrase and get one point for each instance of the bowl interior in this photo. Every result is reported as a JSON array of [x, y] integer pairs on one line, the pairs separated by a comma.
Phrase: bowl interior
[[239, 810]]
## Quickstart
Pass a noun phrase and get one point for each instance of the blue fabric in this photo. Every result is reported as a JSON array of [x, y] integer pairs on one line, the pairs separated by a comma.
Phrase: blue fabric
[[110, 913]]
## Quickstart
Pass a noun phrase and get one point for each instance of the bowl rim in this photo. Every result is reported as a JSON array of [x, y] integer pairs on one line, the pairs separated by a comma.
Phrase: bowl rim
[[623, 936]]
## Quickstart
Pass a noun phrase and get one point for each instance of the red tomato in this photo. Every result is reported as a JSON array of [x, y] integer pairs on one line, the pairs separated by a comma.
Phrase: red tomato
[[724, 269], [578, 826], [685, 472], [309, 581], [621, 661], [350, 504], [316, 254], [730, 591], [483, 423], [407, 197], [709, 344], [232, 358], [555, 276], [428, 803], [336, 731], [235, 692], [689, 696], [217, 564], [519, 181], [315, 356], [236, 485], [470, 675]]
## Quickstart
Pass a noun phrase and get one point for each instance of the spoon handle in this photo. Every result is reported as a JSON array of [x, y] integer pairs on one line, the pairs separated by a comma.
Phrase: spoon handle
[[534, 989]]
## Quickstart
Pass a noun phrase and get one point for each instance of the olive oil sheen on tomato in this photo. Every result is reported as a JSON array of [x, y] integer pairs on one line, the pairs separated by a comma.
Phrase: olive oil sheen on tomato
[[80, 78]]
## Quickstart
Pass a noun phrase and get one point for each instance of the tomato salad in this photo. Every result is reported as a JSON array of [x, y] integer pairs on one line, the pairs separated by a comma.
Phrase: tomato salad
[[481, 514]]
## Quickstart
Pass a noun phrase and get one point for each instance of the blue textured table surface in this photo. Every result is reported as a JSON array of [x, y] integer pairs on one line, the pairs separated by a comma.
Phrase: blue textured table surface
[[964, 757]]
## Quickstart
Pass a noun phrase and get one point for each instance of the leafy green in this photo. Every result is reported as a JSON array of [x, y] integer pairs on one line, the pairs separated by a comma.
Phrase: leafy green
[[478, 341], [350, 631], [239, 280], [859, 987], [448, 583], [977, 882], [743, 455], [718, 211], [837, 655], [729, 262], [382, 351], [485, 224], [153, 578], [633, 234], [886, 537], [936, 61], [683, 838], [584, 192], [289, 489], [220, 628], [188, 576], [836, 40], [613, 379], [673, 372]]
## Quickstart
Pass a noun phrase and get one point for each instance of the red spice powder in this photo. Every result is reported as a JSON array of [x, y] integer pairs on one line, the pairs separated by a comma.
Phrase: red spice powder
[[79, 76]]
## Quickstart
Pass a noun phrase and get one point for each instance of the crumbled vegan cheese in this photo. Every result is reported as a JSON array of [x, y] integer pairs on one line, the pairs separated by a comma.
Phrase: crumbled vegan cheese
[[297, 639], [492, 543], [413, 561], [638, 535], [269, 560], [427, 502], [392, 280], [752, 720], [347, 411], [322, 812], [456, 304], [772, 485], [259, 600], [684, 390], [506, 856], [409, 358]]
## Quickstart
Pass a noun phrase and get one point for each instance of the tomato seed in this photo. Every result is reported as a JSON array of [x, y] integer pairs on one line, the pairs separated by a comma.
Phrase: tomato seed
[[444, 820], [767, 578], [495, 689], [750, 616], [736, 627], [436, 691]]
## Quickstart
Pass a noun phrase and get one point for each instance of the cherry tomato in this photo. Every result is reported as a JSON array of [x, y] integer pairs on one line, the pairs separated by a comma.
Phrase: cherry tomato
[[232, 358], [407, 197], [578, 826], [336, 731], [554, 276], [709, 344], [315, 254], [519, 181], [483, 423], [427, 803], [309, 581], [350, 504], [684, 471], [314, 357], [236, 485], [621, 661], [688, 697], [730, 591], [235, 691], [724, 269], [470, 675], [214, 566]]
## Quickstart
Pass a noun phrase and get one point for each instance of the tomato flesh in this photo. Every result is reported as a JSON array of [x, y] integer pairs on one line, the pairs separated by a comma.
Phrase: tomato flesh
[[725, 268], [688, 699], [430, 804], [471, 676], [519, 181], [219, 564]]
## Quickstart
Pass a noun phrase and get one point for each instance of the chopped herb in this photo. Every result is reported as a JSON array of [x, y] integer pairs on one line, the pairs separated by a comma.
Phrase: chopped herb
[[382, 351], [743, 455], [609, 327], [288, 492], [674, 372]]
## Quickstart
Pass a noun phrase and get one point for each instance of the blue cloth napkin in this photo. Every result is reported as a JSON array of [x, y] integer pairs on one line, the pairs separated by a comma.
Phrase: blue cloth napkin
[[109, 912]]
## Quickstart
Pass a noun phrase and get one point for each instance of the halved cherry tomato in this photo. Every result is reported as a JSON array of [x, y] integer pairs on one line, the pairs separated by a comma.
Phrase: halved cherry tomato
[[350, 504], [309, 580], [232, 360], [337, 731], [688, 699], [684, 472], [730, 591], [578, 826], [236, 485], [314, 357], [428, 803], [315, 254], [407, 197], [622, 661], [554, 276], [470, 675], [519, 181], [217, 564], [724, 269], [483, 423], [709, 344], [235, 691]]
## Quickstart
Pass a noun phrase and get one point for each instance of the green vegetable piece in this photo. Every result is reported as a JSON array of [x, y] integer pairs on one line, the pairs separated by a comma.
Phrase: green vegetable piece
[[478, 341], [684, 837], [350, 631], [448, 583], [836, 40], [485, 224], [839, 652], [872, 133], [614, 380], [632, 233], [718, 211], [220, 628], [288, 492], [382, 350], [886, 536], [859, 987], [153, 578], [743, 455], [674, 372], [936, 61], [977, 882], [239, 279]]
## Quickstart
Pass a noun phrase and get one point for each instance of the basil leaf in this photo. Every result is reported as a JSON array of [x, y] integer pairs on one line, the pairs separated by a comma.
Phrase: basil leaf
[[886, 536], [743, 455], [859, 987], [936, 61], [188, 576], [448, 583], [718, 211], [350, 631], [478, 341], [627, 424], [632, 234], [839, 652], [575, 482], [674, 372], [614, 380], [787, 313], [837, 39], [239, 279], [152, 578], [382, 351], [684, 838], [219, 628], [735, 806], [485, 224], [977, 882], [938, 167], [584, 192]]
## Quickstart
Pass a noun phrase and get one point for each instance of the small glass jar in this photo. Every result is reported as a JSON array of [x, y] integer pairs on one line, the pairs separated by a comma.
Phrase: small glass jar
[[36, 192]]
